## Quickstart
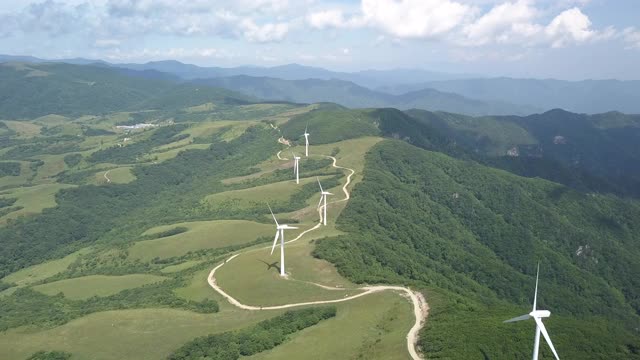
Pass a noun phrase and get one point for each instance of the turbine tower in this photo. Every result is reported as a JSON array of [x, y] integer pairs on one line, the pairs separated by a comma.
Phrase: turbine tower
[[296, 168], [280, 234], [537, 315], [323, 199], [306, 142]]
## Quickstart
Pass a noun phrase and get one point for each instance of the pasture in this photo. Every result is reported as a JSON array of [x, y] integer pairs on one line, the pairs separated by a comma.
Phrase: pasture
[[200, 235], [96, 285]]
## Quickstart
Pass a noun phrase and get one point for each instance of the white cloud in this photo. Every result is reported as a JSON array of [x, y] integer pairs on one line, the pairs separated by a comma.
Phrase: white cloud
[[517, 22], [263, 33], [631, 36], [327, 19], [570, 25], [504, 23], [414, 18]]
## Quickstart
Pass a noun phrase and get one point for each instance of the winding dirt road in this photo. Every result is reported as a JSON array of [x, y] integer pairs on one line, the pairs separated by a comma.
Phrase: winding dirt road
[[106, 176], [420, 306]]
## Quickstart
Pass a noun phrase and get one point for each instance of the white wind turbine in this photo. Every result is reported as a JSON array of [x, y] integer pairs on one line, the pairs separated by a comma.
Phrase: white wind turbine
[[537, 315], [280, 233], [323, 198], [296, 167], [306, 142]]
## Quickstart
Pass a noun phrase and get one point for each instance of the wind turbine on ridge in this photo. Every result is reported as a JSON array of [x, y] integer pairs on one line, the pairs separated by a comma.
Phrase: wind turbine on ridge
[[296, 167], [306, 141], [323, 198], [280, 234], [537, 315]]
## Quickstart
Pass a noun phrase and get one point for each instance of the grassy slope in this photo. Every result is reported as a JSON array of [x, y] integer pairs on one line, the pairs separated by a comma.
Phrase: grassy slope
[[127, 334], [201, 235], [357, 332], [96, 285], [32, 199], [42, 271]]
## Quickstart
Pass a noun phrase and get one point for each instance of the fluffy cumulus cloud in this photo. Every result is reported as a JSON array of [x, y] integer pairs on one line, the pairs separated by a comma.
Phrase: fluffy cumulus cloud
[[570, 25], [414, 18], [504, 23], [460, 22], [501, 28]]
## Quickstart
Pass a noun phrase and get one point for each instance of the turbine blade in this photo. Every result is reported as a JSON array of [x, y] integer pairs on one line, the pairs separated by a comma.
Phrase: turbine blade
[[275, 241], [519, 318], [274, 217], [535, 295], [317, 178], [320, 202], [543, 330]]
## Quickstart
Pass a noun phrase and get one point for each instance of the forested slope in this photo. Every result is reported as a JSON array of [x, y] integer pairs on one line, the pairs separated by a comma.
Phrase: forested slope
[[472, 235], [587, 152]]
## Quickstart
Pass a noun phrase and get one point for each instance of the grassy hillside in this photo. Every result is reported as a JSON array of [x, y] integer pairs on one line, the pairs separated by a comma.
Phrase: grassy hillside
[[471, 235]]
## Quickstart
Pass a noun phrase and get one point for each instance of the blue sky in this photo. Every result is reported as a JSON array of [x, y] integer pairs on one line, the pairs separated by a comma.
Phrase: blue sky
[[566, 39]]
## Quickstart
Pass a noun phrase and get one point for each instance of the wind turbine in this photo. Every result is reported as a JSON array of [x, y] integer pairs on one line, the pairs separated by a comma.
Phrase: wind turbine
[[296, 168], [306, 141], [280, 233], [323, 198], [537, 315]]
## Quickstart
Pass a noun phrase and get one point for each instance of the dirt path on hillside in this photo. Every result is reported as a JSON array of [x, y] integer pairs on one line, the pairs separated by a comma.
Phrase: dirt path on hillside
[[106, 176], [420, 306]]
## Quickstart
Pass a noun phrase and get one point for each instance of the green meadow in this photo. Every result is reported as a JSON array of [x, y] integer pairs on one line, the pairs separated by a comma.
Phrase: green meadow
[[96, 285], [200, 235]]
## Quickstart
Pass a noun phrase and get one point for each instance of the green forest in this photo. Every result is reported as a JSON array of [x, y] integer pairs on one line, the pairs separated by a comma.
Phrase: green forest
[[471, 236]]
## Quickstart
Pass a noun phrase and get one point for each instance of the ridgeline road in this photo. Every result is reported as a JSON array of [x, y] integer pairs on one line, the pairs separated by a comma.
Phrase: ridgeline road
[[420, 306]]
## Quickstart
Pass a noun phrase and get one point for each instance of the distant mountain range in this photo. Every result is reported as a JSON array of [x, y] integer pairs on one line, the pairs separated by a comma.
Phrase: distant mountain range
[[401, 88], [37, 89], [588, 96], [351, 95]]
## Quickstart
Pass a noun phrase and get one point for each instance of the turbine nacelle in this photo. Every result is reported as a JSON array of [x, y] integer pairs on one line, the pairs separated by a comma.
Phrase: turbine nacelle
[[540, 313], [285, 227]]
